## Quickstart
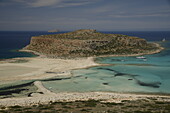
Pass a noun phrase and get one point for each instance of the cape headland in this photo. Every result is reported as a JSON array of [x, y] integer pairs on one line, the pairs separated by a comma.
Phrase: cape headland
[[89, 42]]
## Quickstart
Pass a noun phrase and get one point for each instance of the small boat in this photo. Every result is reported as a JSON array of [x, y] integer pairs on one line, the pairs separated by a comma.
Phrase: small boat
[[144, 59], [141, 57], [163, 40]]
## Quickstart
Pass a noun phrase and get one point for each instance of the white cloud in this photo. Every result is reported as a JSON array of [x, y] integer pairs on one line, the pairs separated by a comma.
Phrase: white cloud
[[42, 3], [73, 4], [54, 3], [38, 3], [138, 15]]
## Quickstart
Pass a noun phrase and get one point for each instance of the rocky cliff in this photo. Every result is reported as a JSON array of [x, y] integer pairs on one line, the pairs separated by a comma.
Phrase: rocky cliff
[[84, 43]]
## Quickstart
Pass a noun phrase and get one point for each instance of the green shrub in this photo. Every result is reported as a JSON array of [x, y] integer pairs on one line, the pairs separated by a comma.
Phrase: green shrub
[[91, 103], [3, 107], [15, 106]]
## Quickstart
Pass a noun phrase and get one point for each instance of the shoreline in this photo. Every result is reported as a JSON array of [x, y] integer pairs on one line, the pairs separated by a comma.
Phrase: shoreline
[[41, 68], [51, 67], [61, 70], [138, 54], [48, 97], [160, 48]]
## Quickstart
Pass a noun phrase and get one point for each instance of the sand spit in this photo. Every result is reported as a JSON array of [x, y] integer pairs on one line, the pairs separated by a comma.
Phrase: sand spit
[[42, 89], [40, 68], [49, 96]]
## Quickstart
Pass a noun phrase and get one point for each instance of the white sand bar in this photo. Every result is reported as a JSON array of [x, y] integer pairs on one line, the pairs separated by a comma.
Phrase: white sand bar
[[12, 71], [37, 68], [40, 68]]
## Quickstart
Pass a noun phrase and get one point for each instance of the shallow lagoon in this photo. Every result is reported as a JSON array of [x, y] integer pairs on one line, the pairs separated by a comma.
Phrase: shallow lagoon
[[127, 74]]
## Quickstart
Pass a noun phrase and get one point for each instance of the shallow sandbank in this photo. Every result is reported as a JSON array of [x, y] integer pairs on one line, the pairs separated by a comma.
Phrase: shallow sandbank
[[40, 68]]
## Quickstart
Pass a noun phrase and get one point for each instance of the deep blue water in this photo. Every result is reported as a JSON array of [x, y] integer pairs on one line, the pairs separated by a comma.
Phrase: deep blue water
[[148, 35], [12, 41]]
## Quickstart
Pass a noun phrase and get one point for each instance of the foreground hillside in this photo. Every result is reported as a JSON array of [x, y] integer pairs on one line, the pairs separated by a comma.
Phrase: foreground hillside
[[150, 105], [84, 43]]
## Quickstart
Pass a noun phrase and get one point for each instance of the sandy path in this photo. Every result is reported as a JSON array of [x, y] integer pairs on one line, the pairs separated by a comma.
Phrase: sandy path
[[41, 88]]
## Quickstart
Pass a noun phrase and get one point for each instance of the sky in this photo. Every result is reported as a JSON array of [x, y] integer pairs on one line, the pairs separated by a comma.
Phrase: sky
[[68, 15]]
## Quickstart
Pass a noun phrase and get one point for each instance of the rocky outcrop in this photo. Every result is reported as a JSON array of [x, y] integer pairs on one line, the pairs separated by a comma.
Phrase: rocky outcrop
[[83, 43]]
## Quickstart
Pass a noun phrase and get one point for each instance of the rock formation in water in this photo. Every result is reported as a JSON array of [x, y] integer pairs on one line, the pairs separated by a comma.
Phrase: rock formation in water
[[87, 42], [55, 30]]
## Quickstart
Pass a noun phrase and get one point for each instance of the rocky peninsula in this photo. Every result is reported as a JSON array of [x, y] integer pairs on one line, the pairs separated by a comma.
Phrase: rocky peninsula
[[89, 42]]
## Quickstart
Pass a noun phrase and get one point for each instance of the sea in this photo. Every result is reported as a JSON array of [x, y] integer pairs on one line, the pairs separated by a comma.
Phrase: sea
[[124, 74]]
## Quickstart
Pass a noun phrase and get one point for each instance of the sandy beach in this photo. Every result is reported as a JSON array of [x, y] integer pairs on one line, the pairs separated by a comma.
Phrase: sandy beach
[[40, 67], [49, 96]]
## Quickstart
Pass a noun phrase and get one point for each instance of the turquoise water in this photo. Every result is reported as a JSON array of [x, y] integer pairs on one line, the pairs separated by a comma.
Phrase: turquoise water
[[125, 74]]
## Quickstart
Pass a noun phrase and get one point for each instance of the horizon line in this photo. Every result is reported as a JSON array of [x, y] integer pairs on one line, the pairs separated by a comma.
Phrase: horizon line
[[75, 30]]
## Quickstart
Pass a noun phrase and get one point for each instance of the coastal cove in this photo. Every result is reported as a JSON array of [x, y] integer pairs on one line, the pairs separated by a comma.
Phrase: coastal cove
[[43, 93], [123, 77], [123, 74]]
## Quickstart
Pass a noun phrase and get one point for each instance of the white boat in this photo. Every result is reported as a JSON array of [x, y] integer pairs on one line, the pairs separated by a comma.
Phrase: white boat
[[141, 57], [163, 40]]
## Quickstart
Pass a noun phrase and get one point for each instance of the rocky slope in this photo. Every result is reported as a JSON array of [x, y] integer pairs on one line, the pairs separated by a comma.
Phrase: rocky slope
[[87, 42]]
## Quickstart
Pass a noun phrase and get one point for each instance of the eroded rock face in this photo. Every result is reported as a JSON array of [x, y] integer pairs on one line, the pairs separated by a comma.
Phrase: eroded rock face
[[83, 43]]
